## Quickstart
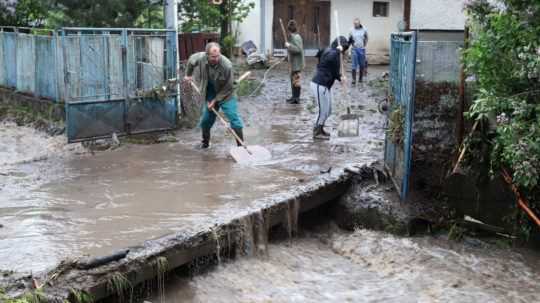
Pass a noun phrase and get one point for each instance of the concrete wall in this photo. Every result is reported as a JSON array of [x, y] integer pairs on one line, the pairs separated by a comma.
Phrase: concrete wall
[[379, 28], [437, 14], [441, 35]]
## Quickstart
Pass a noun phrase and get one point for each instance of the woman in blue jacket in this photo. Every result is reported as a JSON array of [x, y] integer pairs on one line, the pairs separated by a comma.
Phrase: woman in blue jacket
[[328, 70]]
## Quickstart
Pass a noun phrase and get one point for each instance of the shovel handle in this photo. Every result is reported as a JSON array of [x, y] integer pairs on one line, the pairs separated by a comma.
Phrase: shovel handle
[[230, 129], [221, 117], [283, 31], [244, 76], [285, 41]]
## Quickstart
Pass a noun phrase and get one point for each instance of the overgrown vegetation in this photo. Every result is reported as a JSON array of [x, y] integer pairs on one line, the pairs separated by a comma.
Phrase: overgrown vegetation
[[89, 13], [162, 266], [204, 16], [36, 296], [504, 60], [81, 296], [120, 285], [396, 122], [24, 12]]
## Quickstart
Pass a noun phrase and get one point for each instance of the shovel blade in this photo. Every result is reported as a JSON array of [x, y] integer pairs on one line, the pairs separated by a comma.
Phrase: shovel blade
[[349, 128], [256, 154]]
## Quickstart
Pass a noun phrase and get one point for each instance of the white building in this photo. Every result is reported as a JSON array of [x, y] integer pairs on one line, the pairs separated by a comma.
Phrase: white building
[[316, 20], [438, 19], [379, 17]]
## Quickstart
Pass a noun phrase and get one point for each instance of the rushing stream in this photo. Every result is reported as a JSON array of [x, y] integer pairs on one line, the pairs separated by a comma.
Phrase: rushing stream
[[366, 266]]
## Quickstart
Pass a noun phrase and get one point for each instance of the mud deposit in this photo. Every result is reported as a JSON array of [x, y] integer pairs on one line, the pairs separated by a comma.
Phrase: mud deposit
[[60, 201], [365, 266]]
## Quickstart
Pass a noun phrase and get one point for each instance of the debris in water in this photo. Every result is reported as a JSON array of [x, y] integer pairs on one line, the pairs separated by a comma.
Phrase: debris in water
[[326, 171], [115, 140]]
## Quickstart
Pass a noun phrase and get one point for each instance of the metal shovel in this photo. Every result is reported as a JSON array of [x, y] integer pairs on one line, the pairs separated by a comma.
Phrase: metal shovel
[[242, 154]]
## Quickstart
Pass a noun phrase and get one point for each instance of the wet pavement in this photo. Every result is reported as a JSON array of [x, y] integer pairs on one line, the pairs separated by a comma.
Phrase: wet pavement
[[60, 201], [365, 266]]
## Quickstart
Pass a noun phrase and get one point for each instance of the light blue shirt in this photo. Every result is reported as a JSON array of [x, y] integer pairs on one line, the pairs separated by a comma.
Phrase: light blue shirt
[[359, 36]]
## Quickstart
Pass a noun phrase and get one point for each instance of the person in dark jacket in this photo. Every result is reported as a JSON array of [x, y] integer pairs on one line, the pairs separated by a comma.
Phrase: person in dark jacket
[[328, 71]]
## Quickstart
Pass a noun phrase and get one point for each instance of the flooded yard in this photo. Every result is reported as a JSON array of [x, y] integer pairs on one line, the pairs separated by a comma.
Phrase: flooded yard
[[61, 201]]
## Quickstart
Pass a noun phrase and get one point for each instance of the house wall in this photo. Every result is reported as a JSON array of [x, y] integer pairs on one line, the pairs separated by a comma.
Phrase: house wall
[[441, 35], [437, 14], [379, 28], [250, 28]]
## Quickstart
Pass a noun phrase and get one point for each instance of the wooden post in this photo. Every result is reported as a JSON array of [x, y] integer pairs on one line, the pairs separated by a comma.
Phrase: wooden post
[[462, 77], [407, 14]]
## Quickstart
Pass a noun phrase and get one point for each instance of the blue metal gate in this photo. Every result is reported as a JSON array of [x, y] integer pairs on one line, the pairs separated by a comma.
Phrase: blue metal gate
[[398, 142], [109, 77]]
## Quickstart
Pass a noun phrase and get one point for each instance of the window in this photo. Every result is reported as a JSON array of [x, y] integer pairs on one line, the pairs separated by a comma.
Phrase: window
[[380, 9]]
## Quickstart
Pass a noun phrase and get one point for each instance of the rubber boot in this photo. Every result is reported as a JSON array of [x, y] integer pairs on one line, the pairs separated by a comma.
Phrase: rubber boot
[[298, 91], [318, 133], [353, 77], [205, 143], [240, 134], [296, 95], [360, 75], [291, 99], [324, 132]]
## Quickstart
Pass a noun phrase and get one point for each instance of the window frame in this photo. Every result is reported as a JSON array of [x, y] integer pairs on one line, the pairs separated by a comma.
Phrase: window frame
[[377, 5]]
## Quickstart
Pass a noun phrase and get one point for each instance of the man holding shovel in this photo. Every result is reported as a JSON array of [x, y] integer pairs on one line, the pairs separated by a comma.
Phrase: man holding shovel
[[217, 86], [328, 70]]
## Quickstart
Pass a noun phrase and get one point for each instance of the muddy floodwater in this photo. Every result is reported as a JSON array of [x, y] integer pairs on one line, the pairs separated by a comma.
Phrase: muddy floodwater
[[365, 266], [61, 201]]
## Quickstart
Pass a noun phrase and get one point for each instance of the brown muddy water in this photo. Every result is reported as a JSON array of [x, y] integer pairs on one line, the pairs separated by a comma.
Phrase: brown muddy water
[[365, 266], [60, 201]]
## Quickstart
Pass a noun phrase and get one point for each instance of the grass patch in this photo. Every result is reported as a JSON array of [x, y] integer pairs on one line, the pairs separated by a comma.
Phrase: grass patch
[[456, 232], [80, 296], [162, 266], [119, 285]]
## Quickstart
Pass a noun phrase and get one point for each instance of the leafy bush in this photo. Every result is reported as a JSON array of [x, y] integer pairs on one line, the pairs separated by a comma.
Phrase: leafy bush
[[504, 60]]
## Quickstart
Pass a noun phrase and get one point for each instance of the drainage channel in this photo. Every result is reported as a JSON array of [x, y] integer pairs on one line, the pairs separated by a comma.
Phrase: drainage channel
[[243, 234]]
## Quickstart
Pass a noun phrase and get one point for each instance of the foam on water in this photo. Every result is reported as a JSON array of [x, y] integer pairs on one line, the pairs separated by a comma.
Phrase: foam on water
[[365, 266]]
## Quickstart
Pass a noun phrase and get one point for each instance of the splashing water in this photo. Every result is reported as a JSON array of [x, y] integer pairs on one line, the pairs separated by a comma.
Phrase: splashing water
[[366, 266]]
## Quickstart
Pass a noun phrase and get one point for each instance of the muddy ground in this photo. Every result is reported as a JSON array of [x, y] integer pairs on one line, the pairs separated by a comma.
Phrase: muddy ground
[[68, 201]]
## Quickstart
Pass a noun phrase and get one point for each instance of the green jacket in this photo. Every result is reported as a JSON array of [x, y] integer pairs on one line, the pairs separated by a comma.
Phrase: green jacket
[[296, 53], [224, 78]]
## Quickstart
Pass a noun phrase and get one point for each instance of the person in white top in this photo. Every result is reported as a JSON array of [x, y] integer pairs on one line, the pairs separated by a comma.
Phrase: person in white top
[[358, 38]]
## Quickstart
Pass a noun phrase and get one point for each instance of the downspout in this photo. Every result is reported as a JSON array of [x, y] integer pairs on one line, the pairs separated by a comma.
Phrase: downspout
[[263, 26], [407, 14]]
